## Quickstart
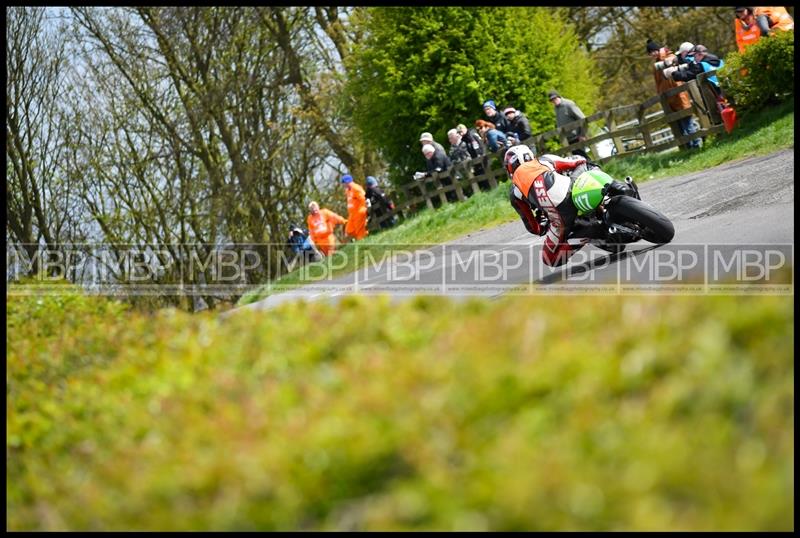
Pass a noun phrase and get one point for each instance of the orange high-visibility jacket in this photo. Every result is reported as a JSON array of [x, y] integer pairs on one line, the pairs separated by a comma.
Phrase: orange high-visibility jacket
[[356, 199], [320, 228], [356, 211], [779, 18], [746, 36]]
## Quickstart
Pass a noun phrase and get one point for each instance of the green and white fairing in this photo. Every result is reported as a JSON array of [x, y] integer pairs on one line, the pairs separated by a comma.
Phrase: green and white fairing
[[587, 190]]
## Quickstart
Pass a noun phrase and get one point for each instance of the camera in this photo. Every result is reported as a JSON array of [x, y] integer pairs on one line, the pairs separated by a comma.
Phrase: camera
[[664, 63]]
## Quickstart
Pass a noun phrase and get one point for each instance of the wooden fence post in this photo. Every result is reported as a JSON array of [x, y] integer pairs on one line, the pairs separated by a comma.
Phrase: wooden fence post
[[700, 107], [492, 178], [423, 192], [640, 116], [436, 183], [611, 125]]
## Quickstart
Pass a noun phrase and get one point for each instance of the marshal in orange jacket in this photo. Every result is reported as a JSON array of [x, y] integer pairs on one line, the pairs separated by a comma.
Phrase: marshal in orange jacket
[[320, 228], [779, 18], [356, 211]]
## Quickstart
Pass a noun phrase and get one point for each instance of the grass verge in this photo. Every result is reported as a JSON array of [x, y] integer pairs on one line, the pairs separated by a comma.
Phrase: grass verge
[[761, 133]]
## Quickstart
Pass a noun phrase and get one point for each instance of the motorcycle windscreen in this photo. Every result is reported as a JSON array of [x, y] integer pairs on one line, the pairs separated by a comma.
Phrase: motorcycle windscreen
[[587, 191]]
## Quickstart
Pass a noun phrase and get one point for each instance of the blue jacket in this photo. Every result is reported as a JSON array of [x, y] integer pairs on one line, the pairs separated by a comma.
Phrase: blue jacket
[[709, 62]]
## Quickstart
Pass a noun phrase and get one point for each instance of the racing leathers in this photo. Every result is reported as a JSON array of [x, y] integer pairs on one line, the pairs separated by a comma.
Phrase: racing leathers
[[541, 195]]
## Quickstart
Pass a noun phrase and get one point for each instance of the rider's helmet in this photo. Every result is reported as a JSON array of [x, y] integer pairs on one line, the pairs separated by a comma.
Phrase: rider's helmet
[[515, 156], [371, 182]]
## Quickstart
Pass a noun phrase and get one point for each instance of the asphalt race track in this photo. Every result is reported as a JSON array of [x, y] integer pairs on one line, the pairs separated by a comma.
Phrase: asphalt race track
[[734, 225]]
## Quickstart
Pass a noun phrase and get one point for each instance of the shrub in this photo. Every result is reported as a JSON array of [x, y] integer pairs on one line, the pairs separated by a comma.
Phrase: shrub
[[421, 415], [762, 75]]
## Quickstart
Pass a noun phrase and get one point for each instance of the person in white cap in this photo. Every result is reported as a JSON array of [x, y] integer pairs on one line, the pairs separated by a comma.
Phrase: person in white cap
[[698, 60], [685, 49]]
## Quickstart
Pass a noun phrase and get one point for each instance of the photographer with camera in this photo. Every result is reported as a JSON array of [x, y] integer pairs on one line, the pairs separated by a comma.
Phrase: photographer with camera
[[664, 59], [696, 60]]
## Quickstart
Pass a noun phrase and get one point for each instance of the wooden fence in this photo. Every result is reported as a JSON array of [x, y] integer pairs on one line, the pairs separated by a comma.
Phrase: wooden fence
[[633, 129]]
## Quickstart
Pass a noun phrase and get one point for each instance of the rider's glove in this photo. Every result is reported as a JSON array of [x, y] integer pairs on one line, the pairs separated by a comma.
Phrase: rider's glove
[[541, 218]]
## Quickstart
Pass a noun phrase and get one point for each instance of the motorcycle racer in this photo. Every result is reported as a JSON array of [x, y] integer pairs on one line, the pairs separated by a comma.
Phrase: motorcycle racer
[[541, 195]]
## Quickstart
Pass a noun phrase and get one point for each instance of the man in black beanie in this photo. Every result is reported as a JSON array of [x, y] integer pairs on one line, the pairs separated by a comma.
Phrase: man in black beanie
[[677, 102], [652, 46]]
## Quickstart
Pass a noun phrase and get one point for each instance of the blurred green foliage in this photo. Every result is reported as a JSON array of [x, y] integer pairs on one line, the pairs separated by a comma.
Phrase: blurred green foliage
[[431, 68], [763, 75], [640, 413]]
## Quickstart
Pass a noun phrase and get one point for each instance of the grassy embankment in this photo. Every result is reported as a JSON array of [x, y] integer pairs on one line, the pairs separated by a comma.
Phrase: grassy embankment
[[663, 413], [769, 131]]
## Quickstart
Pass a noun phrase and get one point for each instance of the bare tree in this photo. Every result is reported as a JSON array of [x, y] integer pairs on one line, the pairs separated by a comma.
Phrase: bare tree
[[197, 139], [39, 210]]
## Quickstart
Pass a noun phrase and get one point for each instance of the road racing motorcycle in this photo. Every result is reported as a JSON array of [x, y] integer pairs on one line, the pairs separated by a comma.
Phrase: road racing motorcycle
[[611, 213]]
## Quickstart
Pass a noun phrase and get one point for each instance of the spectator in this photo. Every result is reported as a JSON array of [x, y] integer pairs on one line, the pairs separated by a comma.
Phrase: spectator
[[676, 102], [476, 149], [491, 136], [473, 139], [379, 204], [684, 55], [427, 138], [518, 125], [356, 209], [747, 31], [458, 147], [567, 112], [697, 61], [301, 245], [491, 115], [770, 19], [321, 223], [436, 159], [751, 24]]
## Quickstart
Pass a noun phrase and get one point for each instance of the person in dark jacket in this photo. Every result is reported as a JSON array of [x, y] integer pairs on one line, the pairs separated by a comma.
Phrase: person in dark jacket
[[664, 57], [379, 203], [300, 245], [518, 124], [567, 112], [473, 140], [476, 148], [492, 115], [697, 61], [459, 151], [435, 159]]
